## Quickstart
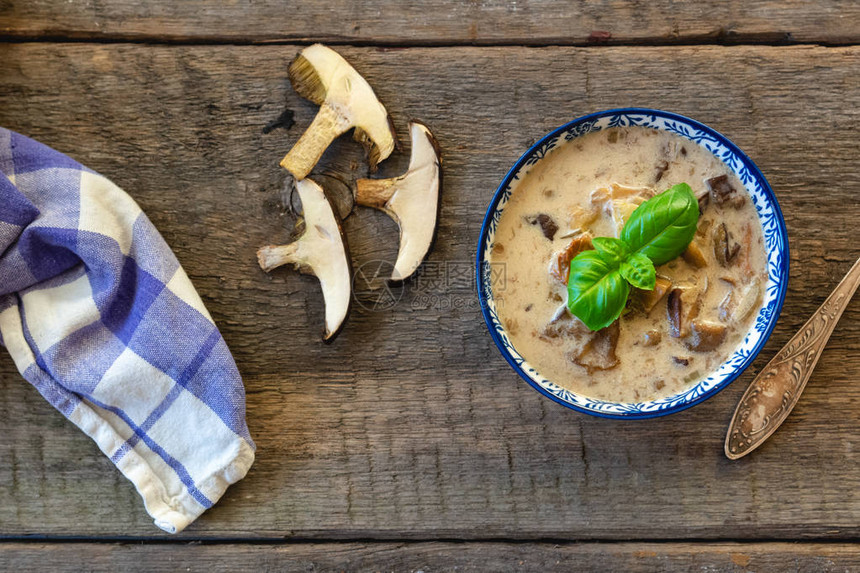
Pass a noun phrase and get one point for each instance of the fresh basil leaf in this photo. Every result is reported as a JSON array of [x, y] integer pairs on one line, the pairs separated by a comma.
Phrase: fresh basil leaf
[[611, 249], [596, 291], [639, 271], [663, 226], [655, 233]]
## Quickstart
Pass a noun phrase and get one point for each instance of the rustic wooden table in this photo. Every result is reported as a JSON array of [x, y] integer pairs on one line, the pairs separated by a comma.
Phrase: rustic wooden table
[[409, 444]]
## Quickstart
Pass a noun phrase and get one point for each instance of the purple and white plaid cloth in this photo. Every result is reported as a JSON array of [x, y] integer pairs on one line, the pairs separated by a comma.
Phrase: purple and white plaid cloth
[[99, 316]]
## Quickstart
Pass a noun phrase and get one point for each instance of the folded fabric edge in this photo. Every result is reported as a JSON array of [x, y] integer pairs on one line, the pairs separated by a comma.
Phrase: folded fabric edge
[[170, 513]]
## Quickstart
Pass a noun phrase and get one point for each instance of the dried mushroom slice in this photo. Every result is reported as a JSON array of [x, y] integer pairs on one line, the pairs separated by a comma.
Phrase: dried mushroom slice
[[725, 249], [346, 101], [648, 299], [739, 303], [546, 223], [599, 352], [695, 256], [619, 201], [412, 200], [705, 336], [682, 306], [724, 193], [322, 251], [559, 267]]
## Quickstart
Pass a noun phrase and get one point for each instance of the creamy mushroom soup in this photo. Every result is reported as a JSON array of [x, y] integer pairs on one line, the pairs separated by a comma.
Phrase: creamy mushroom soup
[[667, 339]]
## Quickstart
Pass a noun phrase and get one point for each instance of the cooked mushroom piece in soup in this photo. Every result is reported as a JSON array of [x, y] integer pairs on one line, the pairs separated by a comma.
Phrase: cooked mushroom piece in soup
[[667, 339]]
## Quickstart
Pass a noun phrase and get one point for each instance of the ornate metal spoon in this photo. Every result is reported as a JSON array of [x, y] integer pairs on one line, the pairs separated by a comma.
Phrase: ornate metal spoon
[[774, 392]]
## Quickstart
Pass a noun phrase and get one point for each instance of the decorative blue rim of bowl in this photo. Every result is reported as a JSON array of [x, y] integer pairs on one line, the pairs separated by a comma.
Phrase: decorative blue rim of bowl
[[776, 246]]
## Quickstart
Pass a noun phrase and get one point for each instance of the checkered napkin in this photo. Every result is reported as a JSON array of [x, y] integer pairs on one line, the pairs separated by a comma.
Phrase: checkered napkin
[[99, 316]]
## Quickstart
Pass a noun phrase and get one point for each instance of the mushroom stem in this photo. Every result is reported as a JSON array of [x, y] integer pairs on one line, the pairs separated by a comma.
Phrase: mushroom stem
[[274, 256], [374, 192], [326, 126]]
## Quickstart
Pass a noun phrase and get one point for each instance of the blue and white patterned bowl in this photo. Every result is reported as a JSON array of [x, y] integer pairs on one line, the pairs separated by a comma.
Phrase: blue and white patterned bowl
[[775, 238]]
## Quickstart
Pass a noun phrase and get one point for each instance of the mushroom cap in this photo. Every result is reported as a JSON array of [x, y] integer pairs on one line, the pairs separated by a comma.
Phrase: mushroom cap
[[416, 200], [323, 247]]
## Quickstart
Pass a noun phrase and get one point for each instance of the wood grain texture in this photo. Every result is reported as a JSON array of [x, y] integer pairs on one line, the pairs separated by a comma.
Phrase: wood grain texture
[[533, 22], [433, 557], [411, 425]]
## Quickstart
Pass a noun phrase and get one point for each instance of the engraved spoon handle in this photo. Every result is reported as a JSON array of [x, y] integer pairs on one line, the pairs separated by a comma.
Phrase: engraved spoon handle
[[774, 392]]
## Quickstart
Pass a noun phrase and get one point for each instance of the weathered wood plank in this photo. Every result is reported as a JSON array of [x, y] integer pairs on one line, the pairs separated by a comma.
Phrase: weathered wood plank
[[431, 557], [411, 425], [536, 22]]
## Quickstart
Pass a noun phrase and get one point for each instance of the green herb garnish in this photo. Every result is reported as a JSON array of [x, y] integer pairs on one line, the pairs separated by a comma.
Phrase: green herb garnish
[[656, 232]]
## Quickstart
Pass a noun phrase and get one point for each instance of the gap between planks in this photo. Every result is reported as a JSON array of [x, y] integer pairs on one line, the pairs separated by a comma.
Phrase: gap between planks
[[771, 40], [184, 539]]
